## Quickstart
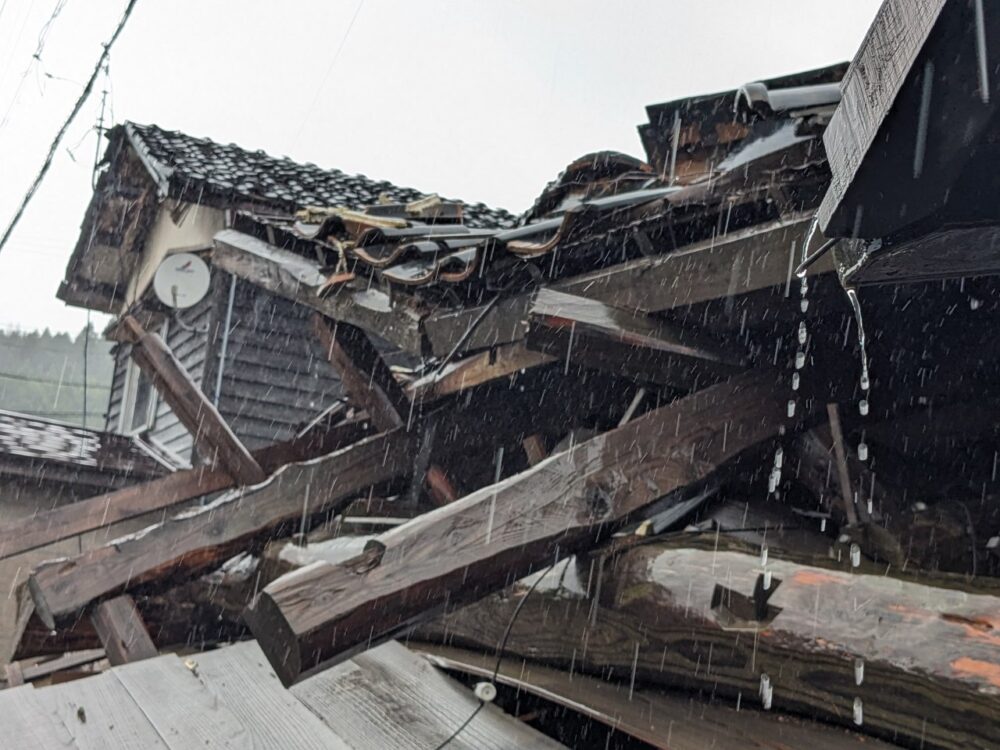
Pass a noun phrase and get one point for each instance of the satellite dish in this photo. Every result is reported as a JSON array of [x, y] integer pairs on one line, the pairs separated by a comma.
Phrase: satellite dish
[[181, 280]]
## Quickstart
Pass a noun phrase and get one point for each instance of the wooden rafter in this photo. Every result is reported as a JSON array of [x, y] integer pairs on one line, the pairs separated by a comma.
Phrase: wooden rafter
[[212, 436]]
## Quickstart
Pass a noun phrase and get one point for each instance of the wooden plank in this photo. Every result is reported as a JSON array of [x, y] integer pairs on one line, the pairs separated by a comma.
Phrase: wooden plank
[[184, 713], [27, 724], [734, 264], [869, 91], [503, 531], [100, 714], [439, 486], [366, 378], [843, 476], [294, 277], [661, 719], [47, 527], [622, 342], [212, 436], [122, 631], [503, 323], [205, 537], [923, 660], [70, 660], [241, 679], [416, 706], [477, 369]]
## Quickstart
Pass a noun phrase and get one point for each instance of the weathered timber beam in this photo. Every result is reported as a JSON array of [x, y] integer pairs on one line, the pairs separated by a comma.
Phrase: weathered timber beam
[[497, 534], [622, 342], [48, 527], [122, 631], [367, 379], [197, 540], [212, 435], [477, 369], [655, 717], [294, 277], [921, 661], [755, 258]]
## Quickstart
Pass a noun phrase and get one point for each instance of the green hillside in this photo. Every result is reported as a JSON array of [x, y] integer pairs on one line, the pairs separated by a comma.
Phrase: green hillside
[[43, 373]]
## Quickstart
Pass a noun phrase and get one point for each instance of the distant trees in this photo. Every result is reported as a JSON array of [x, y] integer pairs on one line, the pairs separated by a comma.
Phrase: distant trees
[[42, 373]]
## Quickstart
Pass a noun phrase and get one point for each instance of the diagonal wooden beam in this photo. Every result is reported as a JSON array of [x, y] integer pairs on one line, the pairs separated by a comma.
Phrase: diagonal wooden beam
[[198, 540], [299, 279], [163, 493], [326, 612], [212, 435], [623, 342], [122, 631], [367, 380]]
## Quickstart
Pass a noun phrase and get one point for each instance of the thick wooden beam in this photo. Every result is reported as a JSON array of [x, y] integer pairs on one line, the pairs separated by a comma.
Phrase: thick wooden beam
[[760, 257], [658, 718], [919, 660], [197, 540], [212, 435], [622, 342], [48, 527], [497, 534], [122, 631], [299, 279], [367, 380]]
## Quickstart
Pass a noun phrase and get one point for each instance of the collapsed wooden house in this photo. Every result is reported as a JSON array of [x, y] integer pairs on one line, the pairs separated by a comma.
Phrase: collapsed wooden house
[[634, 442]]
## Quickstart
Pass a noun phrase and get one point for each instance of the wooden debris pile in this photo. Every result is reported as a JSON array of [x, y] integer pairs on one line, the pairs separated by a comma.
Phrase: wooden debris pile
[[635, 453]]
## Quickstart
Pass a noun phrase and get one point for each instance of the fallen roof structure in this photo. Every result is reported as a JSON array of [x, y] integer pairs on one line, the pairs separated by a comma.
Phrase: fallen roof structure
[[645, 443]]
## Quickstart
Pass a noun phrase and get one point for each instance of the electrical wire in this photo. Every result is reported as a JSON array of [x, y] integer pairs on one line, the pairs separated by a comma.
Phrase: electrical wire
[[500, 653], [62, 131], [53, 381], [36, 57]]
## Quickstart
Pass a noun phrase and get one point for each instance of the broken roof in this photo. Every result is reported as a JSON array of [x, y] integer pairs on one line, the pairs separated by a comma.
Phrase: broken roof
[[29, 445]]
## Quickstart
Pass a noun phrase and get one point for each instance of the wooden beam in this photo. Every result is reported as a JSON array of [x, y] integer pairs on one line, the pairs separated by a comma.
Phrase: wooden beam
[[212, 435], [918, 657], [204, 538], [760, 257], [122, 631], [326, 612], [622, 342], [534, 449], [47, 527], [439, 486], [477, 369], [299, 279], [367, 380], [658, 718], [843, 475]]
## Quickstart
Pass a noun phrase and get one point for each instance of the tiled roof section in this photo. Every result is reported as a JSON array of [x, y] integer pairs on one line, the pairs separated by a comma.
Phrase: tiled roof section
[[190, 166], [26, 437]]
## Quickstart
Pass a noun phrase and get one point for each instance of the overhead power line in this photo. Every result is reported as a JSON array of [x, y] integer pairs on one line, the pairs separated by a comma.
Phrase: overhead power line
[[69, 120]]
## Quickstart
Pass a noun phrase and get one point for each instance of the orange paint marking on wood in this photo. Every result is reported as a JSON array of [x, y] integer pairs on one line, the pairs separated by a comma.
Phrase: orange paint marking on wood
[[985, 670], [815, 578]]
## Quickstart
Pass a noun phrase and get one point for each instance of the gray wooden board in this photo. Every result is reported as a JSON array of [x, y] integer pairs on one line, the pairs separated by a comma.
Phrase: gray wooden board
[[390, 698], [241, 678], [100, 714], [27, 725], [184, 712]]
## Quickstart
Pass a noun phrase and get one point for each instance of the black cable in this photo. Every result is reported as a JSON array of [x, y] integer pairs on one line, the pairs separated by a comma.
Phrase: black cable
[[500, 653], [62, 131]]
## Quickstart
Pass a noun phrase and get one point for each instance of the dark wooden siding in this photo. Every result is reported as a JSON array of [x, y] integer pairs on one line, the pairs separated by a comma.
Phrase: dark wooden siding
[[275, 377], [113, 414]]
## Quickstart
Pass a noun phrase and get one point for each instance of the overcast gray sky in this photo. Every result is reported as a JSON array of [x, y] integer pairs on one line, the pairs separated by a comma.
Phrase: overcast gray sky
[[482, 100]]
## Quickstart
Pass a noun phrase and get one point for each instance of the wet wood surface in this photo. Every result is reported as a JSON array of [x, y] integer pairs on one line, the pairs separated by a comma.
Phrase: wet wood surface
[[501, 532], [930, 659], [416, 706], [623, 342], [204, 537], [664, 720], [122, 632], [213, 438]]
